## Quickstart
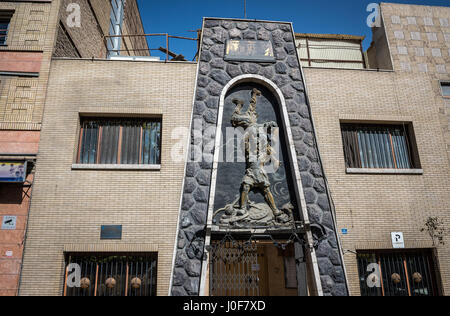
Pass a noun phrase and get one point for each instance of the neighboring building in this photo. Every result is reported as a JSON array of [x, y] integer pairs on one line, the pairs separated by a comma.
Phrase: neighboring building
[[416, 39], [126, 182], [385, 156], [331, 51], [30, 33]]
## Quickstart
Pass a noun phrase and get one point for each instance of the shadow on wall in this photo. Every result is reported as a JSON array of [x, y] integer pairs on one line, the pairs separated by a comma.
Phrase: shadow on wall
[[12, 193]]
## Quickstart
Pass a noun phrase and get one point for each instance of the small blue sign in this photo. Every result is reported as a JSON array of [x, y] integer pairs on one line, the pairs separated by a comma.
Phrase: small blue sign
[[110, 232], [344, 231]]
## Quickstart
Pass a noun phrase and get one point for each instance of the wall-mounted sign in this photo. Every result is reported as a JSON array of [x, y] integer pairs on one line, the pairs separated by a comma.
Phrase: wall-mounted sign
[[9, 253], [13, 171], [397, 240], [344, 231], [9, 222], [246, 50], [111, 232]]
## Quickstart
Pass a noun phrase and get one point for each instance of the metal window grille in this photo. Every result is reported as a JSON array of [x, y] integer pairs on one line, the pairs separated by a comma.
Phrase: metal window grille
[[113, 275], [402, 273], [118, 141], [377, 146]]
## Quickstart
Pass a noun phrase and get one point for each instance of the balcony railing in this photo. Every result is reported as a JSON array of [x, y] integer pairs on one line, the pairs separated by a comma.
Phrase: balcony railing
[[137, 51]]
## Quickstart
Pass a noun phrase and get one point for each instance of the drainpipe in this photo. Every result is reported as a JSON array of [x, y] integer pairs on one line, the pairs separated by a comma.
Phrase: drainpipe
[[116, 28]]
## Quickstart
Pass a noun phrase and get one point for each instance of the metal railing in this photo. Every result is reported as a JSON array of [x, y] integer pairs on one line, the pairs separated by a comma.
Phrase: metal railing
[[165, 50]]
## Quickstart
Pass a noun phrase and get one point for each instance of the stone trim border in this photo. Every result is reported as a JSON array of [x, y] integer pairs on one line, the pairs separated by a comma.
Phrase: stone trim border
[[186, 157], [213, 74]]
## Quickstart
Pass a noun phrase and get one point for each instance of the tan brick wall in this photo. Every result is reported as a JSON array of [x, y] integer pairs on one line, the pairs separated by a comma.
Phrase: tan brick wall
[[419, 39], [32, 29], [373, 206], [70, 205]]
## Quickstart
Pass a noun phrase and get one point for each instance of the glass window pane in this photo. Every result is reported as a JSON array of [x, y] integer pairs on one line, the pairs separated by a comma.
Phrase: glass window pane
[[4, 25], [445, 89], [379, 146]]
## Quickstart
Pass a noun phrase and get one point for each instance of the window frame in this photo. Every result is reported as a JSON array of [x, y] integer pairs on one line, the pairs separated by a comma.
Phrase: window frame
[[443, 83], [6, 17], [411, 144], [78, 164], [97, 267], [403, 262]]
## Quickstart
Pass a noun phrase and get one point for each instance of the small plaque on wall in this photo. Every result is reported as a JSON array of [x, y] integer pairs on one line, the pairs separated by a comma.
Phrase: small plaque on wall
[[110, 232], [9, 222], [247, 50]]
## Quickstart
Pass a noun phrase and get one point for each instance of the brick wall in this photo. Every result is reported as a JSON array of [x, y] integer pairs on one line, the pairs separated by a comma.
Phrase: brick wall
[[70, 205], [372, 206]]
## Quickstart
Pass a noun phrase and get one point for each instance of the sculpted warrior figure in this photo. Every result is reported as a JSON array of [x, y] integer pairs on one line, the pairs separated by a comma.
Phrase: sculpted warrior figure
[[258, 152]]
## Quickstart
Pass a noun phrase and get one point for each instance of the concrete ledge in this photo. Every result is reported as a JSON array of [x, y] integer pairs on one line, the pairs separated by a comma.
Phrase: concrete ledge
[[116, 167], [384, 171], [111, 248]]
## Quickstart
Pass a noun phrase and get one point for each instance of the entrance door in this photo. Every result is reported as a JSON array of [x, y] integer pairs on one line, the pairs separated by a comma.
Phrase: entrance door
[[252, 268], [397, 273]]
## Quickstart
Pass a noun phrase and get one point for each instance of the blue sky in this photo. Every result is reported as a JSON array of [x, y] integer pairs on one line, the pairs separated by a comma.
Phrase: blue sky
[[177, 17]]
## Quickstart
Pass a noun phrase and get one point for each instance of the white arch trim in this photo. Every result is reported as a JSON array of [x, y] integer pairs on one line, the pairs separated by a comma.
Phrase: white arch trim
[[311, 255]]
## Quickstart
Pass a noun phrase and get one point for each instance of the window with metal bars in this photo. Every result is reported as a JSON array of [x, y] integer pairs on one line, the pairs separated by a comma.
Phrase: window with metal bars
[[120, 141], [398, 273], [5, 19], [379, 146], [111, 274]]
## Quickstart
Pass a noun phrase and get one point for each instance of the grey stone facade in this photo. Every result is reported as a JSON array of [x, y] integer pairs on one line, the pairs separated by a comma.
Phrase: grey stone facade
[[214, 74]]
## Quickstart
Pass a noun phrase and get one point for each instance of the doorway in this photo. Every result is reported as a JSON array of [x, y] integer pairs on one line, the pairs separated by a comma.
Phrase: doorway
[[252, 268]]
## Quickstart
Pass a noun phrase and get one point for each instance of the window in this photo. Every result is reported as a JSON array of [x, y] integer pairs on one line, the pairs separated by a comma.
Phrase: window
[[111, 274], [397, 273], [120, 141], [5, 19], [379, 146], [445, 88]]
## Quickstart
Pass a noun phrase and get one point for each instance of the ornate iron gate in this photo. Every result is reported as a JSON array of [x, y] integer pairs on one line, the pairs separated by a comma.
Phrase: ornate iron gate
[[235, 268], [254, 267]]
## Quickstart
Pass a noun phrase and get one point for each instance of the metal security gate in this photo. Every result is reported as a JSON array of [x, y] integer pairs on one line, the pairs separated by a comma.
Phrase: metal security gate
[[235, 268], [397, 273], [254, 267], [112, 274]]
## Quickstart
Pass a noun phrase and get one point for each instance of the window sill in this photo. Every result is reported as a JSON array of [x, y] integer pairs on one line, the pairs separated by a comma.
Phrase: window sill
[[116, 167], [384, 171]]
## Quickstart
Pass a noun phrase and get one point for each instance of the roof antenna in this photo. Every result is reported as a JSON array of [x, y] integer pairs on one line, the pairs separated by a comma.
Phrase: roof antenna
[[245, 9]]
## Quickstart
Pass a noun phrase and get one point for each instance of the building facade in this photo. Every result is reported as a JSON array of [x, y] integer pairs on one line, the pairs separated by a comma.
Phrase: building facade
[[408, 65], [138, 191], [31, 32]]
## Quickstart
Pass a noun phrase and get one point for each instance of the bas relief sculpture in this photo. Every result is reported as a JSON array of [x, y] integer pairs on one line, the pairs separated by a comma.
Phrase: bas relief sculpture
[[258, 150]]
